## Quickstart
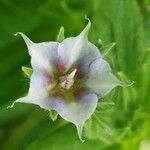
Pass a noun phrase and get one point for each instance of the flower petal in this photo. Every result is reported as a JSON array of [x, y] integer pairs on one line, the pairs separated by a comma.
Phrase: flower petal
[[69, 50], [76, 112], [100, 78], [42, 54], [40, 84], [85, 59]]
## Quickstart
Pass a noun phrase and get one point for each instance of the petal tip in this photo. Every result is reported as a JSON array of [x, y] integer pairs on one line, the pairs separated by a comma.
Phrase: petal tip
[[11, 106], [25, 38], [18, 33], [128, 85], [87, 28], [124, 80], [15, 34], [79, 131], [86, 18]]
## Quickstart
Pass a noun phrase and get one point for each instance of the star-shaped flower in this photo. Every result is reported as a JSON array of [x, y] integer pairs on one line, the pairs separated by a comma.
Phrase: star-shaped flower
[[68, 77]]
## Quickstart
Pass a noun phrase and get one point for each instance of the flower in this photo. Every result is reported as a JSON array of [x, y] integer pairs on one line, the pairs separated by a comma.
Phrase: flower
[[68, 77]]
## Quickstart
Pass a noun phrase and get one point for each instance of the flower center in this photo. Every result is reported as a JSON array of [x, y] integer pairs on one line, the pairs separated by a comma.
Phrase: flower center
[[67, 81]]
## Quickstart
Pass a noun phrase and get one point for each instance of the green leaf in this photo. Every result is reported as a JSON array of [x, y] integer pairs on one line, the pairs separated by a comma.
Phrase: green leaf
[[65, 138], [98, 127], [27, 71], [101, 125]]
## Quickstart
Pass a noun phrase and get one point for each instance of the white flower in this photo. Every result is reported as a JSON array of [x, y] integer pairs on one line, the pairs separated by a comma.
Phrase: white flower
[[68, 77]]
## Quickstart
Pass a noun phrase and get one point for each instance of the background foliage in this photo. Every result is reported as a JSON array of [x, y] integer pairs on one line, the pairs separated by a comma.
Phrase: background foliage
[[121, 120]]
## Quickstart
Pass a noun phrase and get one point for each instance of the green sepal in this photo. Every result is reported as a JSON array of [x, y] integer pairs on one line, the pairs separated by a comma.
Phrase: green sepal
[[98, 126], [53, 115], [99, 43], [105, 104], [60, 36], [106, 48], [27, 71]]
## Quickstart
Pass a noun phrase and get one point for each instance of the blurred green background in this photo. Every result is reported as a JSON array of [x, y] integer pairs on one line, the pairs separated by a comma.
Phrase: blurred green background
[[121, 121]]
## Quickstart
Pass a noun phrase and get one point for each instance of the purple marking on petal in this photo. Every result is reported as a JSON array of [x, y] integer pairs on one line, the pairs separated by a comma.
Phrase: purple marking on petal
[[60, 66], [78, 92], [49, 79], [80, 74], [58, 95]]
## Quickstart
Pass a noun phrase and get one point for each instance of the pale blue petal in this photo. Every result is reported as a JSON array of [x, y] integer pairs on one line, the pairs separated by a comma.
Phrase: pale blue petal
[[76, 112], [42, 54], [70, 49], [100, 78]]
